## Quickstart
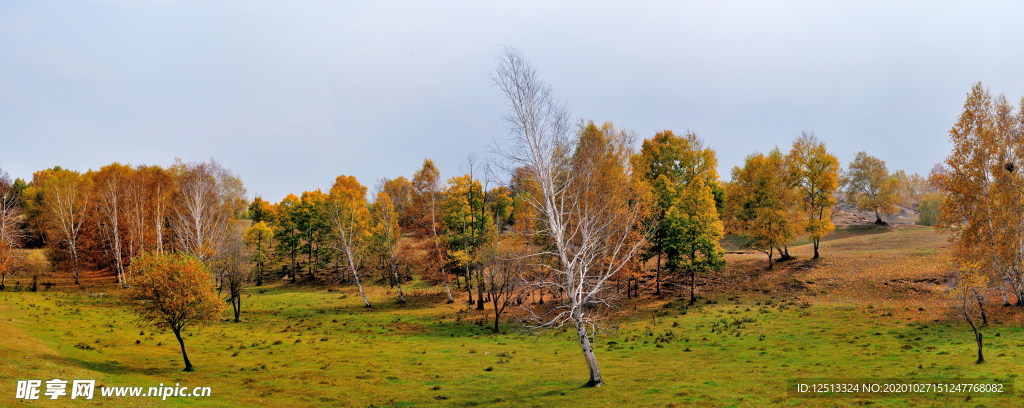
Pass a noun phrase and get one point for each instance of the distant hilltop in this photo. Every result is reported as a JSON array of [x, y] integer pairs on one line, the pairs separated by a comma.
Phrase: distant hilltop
[[845, 214]]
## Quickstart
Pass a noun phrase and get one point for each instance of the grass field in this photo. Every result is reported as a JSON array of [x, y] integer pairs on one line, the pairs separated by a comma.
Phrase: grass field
[[870, 308]]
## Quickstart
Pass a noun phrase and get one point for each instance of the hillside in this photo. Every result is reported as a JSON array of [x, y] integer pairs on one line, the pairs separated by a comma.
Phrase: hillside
[[872, 307]]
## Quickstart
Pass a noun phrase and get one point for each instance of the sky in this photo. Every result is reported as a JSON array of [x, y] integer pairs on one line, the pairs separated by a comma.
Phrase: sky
[[291, 94]]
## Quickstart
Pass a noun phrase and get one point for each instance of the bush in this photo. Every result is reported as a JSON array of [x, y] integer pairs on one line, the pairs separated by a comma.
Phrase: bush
[[929, 208]]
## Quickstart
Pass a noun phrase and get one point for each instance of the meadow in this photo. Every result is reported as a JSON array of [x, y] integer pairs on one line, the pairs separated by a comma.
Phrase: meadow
[[872, 307]]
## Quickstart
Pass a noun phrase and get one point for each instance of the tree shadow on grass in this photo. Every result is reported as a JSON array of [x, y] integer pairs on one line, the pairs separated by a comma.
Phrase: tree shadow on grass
[[111, 367]]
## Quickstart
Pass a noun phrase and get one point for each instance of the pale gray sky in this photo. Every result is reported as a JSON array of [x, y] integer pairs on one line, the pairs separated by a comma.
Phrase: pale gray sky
[[291, 94]]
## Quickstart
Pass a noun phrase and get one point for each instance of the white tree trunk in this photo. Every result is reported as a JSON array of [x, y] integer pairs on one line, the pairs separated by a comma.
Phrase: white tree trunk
[[588, 355]]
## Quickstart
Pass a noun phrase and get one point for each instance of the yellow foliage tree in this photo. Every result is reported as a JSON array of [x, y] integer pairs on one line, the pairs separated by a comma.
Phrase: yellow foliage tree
[[871, 187], [386, 232], [759, 203], [815, 173], [929, 208], [693, 245], [669, 164], [256, 238], [969, 283], [349, 218], [984, 189]]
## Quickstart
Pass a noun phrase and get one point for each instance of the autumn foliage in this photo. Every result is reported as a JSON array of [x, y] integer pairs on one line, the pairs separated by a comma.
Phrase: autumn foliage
[[173, 291], [984, 189]]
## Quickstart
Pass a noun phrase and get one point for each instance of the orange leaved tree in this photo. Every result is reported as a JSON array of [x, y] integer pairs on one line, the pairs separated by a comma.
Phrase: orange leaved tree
[[984, 189], [173, 291]]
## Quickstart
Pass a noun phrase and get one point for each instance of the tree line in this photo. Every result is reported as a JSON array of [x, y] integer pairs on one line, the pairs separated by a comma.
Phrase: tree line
[[563, 215], [105, 218]]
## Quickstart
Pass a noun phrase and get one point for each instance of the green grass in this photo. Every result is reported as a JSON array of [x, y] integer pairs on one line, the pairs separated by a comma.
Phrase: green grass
[[318, 348], [861, 312]]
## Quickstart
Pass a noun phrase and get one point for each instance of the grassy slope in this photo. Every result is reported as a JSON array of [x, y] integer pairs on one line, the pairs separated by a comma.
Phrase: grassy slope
[[853, 314]]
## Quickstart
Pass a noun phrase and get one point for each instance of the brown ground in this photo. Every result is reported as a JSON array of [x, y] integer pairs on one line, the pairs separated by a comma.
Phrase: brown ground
[[846, 215]]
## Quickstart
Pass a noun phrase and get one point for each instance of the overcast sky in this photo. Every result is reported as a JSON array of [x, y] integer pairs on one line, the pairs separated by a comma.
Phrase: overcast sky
[[291, 94]]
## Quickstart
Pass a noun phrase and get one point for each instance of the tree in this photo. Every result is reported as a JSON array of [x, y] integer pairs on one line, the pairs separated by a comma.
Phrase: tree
[[693, 246], [669, 163], [504, 265], [137, 207], [289, 240], [311, 223], [173, 291], [400, 191], [349, 218], [110, 184], [207, 197], [910, 188], [34, 264], [758, 203], [427, 196], [467, 228], [68, 201], [233, 264], [499, 207], [984, 206], [260, 211], [7, 267], [582, 195], [256, 237], [386, 233], [965, 295], [815, 173], [929, 208], [11, 232], [161, 187], [871, 187]]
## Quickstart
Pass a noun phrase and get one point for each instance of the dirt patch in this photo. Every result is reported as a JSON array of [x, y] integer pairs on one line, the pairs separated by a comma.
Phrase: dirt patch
[[845, 214]]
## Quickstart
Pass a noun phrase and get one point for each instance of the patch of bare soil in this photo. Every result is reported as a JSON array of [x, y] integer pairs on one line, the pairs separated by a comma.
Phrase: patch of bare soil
[[845, 214]]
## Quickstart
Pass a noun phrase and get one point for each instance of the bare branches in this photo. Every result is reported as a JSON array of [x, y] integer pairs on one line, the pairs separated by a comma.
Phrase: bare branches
[[579, 187], [11, 233], [232, 262], [68, 194], [207, 194]]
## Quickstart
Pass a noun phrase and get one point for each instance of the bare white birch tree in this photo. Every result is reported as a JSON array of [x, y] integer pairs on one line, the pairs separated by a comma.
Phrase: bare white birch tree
[[111, 182], [161, 186], [137, 206], [11, 234], [201, 211], [68, 199], [587, 217], [385, 236]]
